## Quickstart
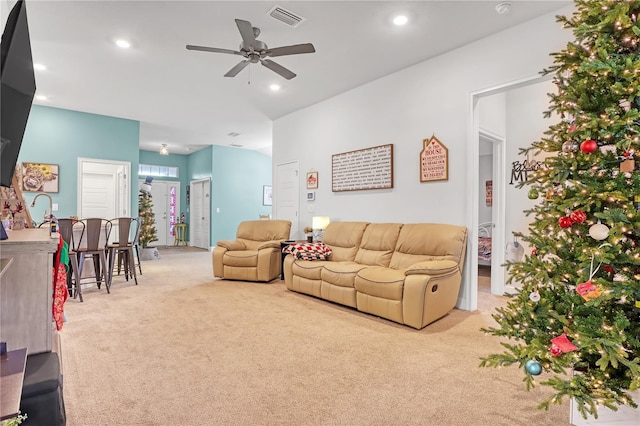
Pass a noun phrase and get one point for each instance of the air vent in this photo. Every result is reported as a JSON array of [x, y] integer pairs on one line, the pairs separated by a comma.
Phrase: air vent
[[236, 145], [233, 134], [286, 16]]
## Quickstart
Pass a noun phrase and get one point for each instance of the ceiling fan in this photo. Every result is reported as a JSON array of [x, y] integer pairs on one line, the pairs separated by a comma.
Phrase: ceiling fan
[[257, 51]]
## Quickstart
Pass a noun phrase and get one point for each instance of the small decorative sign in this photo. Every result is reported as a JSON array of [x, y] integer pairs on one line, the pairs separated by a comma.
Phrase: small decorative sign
[[312, 180], [489, 193], [520, 170], [434, 161]]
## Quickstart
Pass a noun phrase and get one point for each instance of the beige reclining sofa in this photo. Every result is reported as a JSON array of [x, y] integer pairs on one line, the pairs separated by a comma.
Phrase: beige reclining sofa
[[410, 274], [255, 253]]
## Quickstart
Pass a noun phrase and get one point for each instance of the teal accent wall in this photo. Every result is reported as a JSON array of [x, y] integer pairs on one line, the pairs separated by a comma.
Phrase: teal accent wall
[[60, 136], [200, 164], [239, 175]]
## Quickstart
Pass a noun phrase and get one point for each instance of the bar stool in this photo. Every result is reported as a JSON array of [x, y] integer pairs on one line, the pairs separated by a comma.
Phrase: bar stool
[[180, 230], [95, 250], [123, 248]]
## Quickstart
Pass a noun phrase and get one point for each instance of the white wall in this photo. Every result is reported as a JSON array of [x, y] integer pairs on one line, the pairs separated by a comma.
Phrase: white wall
[[404, 108]]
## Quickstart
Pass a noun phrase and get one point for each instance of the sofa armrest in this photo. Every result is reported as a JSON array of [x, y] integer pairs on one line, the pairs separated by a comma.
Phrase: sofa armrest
[[432, 267], [232, 245], [270, 244]]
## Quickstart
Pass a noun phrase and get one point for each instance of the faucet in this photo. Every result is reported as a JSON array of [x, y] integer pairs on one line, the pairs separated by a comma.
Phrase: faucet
[[33, 203]]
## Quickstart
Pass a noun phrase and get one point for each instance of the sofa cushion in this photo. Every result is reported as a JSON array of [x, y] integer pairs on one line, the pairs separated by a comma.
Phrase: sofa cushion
[[253, 233], [378, 242], [380, 282], [309, 269], [341, 274], [344, 239], [242, 258], [232, 245], [429, 241]]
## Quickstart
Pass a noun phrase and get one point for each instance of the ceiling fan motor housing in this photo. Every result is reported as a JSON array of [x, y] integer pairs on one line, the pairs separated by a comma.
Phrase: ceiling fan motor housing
[[258, 47]]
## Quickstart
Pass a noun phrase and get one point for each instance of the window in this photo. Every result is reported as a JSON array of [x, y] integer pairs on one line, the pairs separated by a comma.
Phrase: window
[[157, 171]]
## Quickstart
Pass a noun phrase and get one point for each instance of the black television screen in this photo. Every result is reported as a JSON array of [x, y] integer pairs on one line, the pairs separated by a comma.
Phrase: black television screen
[[17, 90]]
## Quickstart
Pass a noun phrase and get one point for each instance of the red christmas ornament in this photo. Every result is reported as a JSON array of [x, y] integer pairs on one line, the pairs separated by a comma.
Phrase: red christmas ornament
[[588, 290], [561, 345], [578, 216], [565, 222], [588, 146], [534, 252], [608, 269]]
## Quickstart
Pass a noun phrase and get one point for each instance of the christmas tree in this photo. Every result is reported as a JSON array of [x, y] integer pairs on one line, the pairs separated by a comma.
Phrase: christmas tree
[[575, 320], [147, 226]]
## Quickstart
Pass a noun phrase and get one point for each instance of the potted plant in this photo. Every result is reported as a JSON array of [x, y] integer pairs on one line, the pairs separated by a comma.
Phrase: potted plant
[[148, 232], [308, 232]]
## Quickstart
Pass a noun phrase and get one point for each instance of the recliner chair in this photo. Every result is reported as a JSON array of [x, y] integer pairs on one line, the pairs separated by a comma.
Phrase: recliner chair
[[255, 253]]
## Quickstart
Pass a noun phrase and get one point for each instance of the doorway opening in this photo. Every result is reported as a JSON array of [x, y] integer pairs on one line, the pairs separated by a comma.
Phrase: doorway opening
[[104, 188], [469, 295]]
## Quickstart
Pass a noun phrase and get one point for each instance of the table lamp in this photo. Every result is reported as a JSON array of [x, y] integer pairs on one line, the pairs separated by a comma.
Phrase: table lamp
[[319, 224]]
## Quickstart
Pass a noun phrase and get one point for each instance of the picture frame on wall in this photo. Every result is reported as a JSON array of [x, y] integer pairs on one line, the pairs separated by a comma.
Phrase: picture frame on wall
[[311, 196], [267, 195], [39, 177], [312, 180]]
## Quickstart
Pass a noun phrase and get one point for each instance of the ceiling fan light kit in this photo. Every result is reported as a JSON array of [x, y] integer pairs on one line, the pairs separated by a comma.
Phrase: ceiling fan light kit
[[255, 51]]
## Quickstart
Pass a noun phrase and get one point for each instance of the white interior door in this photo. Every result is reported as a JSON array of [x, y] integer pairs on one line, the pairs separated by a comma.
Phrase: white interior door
[[165, 196], [287, 196], [103, 188], [200, 213]]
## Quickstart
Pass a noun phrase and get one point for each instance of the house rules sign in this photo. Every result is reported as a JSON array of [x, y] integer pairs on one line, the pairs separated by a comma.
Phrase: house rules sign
[[434, 161]]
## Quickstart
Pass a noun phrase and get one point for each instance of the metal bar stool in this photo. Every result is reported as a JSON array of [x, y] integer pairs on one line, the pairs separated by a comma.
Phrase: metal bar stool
[[123, 248], [95, 250]]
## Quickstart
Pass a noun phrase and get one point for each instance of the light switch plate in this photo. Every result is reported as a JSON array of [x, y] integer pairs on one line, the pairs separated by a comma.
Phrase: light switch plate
[[54, 207]]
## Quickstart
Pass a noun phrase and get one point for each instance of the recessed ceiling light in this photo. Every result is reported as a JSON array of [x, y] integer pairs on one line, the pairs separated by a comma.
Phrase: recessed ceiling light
[[123, 43], [39, 67], [400, 20], [275, 87], [41, 97], [503, 8]]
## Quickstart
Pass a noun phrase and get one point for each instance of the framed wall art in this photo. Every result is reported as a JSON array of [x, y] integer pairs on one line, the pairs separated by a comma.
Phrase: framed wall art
[[369, 168], [312, 180], [311, 196], [39, 177]]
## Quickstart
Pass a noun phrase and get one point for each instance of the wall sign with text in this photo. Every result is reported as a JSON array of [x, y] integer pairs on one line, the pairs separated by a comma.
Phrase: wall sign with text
[[369, 168], [434, 161]]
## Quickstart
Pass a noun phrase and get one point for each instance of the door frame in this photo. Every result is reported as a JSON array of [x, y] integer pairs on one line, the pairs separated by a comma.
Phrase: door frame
[[469, 295], [170, 239], [498, 210], [207, 184], [126, 198], [295, 222]]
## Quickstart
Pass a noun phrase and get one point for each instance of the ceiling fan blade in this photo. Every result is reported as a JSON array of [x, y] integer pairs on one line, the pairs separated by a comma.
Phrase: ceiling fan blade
[[213, 49], [291, 50], [246, 31], [278, 68], [235, 70]]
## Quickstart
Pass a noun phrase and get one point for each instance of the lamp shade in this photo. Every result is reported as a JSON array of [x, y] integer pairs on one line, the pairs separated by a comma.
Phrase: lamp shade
[[320, 222]]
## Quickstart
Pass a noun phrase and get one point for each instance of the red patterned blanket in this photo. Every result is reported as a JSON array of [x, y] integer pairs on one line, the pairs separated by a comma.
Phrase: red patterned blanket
[[308, 251]]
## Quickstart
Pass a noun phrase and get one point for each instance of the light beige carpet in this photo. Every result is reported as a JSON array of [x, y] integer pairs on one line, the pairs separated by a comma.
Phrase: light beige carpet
[[183, 348]]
